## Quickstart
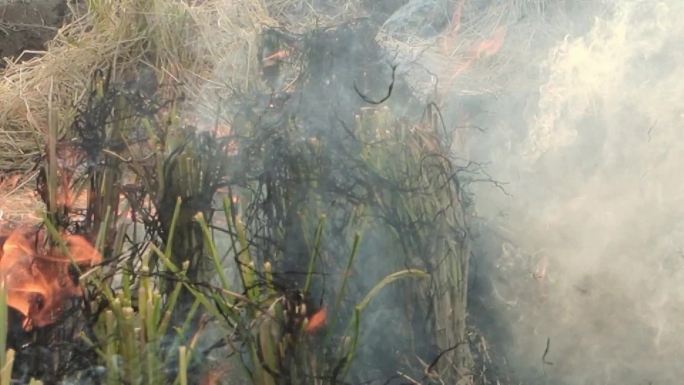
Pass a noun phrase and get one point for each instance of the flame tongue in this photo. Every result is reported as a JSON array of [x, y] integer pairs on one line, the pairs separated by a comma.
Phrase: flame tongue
[[317, 321], [39, 284], [15, 267]]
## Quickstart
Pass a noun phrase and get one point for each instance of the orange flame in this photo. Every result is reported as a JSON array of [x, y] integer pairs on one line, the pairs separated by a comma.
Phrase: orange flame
[[483, 49], [452, 34], [213, 377], [317, 321], [38, 284], [490, 46], [275, 57]]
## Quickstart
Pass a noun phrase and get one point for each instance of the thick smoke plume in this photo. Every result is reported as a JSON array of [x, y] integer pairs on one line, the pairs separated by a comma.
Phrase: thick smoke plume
[[579, 267]]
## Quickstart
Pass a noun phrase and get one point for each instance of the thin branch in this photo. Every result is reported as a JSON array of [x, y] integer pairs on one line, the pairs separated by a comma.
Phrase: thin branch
[[389, 90]]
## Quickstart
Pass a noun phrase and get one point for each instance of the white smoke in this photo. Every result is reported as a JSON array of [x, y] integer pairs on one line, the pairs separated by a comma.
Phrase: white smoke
[[592, 226]]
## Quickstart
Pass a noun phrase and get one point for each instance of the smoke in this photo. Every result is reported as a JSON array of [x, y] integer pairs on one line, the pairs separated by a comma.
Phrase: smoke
[[585, 251]]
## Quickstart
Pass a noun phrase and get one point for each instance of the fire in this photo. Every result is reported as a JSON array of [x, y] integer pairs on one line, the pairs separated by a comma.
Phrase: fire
[[214, 376], [490, 46], [37, 283], [275, 57], [478, 51], [316, 321]]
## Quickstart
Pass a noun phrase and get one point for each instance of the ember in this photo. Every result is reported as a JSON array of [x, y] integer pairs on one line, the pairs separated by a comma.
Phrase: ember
[[38, 283], [316, 321]]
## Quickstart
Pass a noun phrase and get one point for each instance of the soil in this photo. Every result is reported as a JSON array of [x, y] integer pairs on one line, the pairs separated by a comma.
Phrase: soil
[[28, 25]]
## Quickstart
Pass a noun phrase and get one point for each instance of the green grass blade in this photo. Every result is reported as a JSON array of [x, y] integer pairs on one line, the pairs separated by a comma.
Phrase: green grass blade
[[408, 273], [172, 228], [314, 254], [213, 253], [3, 323], [356, 319]]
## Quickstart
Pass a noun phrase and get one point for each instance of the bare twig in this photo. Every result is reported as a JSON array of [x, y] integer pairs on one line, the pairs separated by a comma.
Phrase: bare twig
[[389, 90], [546, 352], [440, 355]]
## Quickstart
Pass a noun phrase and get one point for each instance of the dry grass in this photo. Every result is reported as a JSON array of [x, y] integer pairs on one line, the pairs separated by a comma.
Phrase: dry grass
[[177, 41], [211, 47], [206, 46], [18, 202]]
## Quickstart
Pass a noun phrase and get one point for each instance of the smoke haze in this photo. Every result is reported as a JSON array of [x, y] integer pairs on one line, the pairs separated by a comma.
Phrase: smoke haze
[[586, 250]]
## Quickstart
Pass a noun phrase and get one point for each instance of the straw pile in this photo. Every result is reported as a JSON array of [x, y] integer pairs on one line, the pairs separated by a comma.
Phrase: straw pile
[[170, 40], [209, 47]]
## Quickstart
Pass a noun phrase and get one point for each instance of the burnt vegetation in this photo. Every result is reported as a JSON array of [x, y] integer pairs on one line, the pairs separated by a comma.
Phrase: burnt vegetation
[[254, 238]]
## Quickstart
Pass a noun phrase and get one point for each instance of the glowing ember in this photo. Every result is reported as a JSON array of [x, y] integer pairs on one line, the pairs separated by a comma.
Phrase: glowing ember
[[275, 57], [38, 284], [214, 376], [316, 321]]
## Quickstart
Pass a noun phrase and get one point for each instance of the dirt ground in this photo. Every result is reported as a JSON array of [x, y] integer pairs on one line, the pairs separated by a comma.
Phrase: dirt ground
[[27, 25]]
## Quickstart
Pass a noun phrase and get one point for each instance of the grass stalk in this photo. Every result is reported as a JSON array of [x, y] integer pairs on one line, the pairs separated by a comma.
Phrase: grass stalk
[[183, 365], [3, 323], [355, 326], [6, 370], [6, 355], [213, 253], [314, 254]]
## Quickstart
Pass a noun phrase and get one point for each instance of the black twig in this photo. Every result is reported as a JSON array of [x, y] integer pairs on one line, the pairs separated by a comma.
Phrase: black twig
[[546, 352], [389, 90], [441, 354]]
